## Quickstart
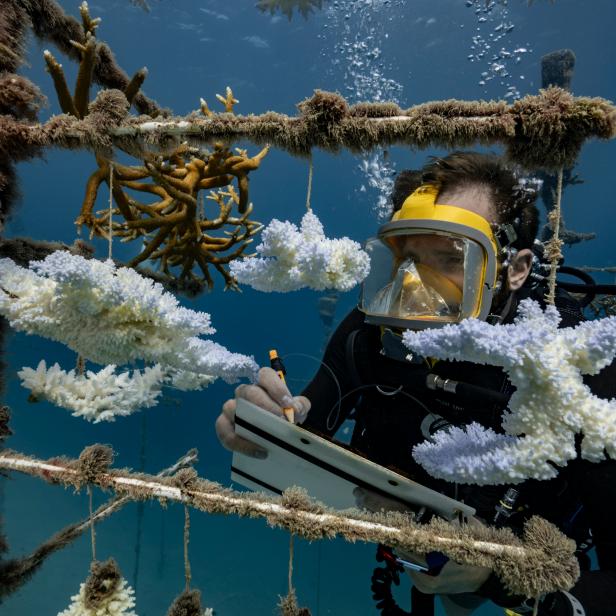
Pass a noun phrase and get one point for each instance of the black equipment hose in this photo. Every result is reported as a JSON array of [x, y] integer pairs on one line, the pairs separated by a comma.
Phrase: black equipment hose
[[589, 288]]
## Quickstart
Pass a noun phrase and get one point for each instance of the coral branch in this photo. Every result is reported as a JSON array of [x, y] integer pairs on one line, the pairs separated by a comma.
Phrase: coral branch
[[550, 407], [84, 76], [59, 80], [542, 561]]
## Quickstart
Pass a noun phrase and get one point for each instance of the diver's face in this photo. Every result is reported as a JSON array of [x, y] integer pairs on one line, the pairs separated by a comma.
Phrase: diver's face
[[477, 198], [441, 254]]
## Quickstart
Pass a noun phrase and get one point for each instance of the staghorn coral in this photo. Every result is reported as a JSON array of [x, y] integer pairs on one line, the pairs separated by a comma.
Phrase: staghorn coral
[[551, 403], [290, 258], [104, 593], [112, 315], [50, 23], [176, 231]]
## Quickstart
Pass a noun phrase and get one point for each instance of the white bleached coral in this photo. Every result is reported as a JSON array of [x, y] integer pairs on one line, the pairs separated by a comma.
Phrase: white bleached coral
[[290, 258], [550, 406], [112, 315], [95, 396], [118, 603]]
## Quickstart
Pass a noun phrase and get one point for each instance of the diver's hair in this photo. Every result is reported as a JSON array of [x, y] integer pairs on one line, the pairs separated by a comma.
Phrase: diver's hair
[[513, 201]]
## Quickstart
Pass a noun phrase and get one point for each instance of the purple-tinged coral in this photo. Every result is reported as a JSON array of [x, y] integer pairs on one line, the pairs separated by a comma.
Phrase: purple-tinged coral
[[550, 406]]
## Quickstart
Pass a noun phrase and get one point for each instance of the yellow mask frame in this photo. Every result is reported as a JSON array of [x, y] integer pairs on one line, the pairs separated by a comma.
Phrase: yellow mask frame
[[420, 213]]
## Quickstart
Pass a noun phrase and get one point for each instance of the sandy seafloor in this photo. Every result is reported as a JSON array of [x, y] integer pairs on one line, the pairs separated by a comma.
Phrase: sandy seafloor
[[194, 49]]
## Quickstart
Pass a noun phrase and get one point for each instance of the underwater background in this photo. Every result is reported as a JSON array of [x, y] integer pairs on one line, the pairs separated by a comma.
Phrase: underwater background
[[409, 51]]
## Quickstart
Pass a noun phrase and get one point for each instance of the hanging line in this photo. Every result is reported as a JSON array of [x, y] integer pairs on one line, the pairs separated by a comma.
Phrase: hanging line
[[291, 550], [553, 247], [187, 573], [92, 529], [309, 192], [110, 208]]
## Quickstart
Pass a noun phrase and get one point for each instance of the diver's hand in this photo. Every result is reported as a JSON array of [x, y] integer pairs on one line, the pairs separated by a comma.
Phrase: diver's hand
[[454, 578], [269, 393]]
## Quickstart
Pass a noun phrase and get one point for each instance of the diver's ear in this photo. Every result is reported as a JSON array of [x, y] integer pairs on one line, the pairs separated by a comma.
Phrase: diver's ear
[[519, 269]]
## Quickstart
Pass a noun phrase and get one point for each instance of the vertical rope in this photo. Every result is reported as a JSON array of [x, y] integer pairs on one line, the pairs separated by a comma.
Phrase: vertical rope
[[309, 192], [187, 573], [553, 247], [110, 208], [291, 550], [536, 607], [140, 505], [92, 529]]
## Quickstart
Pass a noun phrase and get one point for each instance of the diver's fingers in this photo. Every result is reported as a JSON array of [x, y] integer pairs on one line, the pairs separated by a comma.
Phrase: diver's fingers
[[225, 430], [302, 413], [274, 385], [228, 410], [277, 389], [258, 396]]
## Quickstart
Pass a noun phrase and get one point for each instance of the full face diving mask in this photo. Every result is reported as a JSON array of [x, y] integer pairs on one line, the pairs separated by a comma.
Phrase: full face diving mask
[[430, 266]]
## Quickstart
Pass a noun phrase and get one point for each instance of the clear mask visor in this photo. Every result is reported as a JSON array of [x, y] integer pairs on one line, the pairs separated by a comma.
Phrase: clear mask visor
[[426, 276]]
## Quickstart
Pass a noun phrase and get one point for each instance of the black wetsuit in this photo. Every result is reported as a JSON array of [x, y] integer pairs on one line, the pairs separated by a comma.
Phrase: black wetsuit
[[581, 498]]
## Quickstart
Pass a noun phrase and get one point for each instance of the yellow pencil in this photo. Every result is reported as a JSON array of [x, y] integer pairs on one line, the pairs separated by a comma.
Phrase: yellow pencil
[[277, 365]]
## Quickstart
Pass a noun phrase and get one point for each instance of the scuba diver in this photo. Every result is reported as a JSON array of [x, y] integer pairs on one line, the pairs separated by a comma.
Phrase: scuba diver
[[459, 245]]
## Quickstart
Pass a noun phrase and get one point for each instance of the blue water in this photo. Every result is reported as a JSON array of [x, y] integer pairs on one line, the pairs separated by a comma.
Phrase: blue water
[[195, 49]]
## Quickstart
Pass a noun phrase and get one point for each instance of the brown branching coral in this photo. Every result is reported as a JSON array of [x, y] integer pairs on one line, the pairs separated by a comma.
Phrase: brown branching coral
[[50, 23], [176, 231], [21, 99]]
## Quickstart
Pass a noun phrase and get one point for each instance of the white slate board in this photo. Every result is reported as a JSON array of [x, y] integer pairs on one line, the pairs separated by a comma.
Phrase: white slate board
[[328, 472]]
